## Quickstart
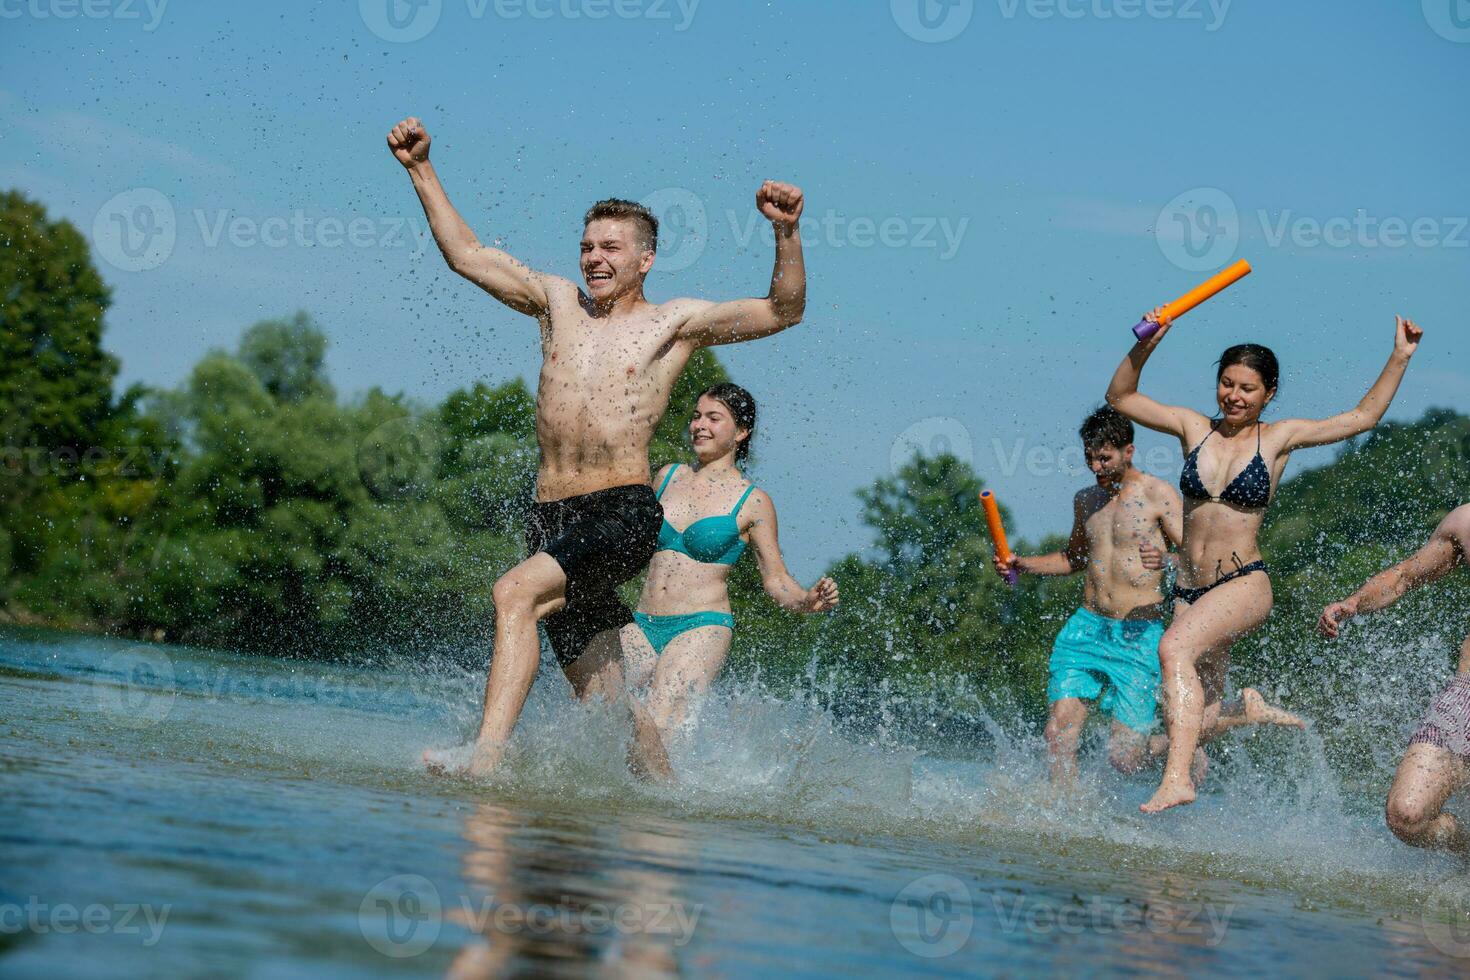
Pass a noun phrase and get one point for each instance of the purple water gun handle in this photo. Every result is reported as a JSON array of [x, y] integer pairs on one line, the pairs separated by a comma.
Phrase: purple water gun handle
[[1146, 328], [1012, 576]]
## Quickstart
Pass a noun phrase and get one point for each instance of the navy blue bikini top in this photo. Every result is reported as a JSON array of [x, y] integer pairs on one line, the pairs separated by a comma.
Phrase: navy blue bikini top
[[1251, 487], [711, 540]]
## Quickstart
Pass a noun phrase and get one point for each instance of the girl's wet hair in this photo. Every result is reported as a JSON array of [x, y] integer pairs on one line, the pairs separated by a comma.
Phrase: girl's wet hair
[[1254, 356], [741, 404]]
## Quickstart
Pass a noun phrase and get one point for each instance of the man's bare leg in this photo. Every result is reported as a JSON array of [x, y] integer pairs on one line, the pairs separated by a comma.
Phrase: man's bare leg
[[599, 673], [1251, 708], [1063, 731], [524, 595], [1426, 777]]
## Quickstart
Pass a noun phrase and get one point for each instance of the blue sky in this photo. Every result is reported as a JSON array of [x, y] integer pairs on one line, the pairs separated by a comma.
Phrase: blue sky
[[987, 214]]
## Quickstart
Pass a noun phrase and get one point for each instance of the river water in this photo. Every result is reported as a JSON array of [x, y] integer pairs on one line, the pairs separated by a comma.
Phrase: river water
[[190, 813]]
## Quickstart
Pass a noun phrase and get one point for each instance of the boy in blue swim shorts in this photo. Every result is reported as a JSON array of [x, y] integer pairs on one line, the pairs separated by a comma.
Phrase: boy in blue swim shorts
[[1108, 651]]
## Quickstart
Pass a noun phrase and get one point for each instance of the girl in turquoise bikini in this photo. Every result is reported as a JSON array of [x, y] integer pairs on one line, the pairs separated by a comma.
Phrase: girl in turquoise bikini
[[682, 629]]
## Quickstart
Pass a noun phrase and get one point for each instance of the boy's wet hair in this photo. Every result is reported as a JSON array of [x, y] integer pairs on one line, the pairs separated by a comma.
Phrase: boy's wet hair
[[616, 207], [1106, 427]]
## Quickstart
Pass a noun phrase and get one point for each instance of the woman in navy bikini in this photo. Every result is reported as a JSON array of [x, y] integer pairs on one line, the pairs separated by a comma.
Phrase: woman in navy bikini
[[682, 629], [1231, 465]]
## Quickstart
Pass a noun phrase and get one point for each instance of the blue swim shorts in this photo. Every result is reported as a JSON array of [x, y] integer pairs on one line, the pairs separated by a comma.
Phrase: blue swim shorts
[[1113, 661]]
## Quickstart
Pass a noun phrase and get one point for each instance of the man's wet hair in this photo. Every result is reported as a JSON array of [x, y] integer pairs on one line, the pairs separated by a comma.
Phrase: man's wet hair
[[1106, 427], [616, 207]]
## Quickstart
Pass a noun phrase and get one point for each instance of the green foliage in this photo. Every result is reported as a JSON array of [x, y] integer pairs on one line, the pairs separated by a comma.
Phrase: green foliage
[[670, 442], [55, 378]]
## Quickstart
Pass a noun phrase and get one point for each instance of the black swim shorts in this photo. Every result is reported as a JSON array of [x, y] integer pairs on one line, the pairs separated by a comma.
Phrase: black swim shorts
[[600, 540]]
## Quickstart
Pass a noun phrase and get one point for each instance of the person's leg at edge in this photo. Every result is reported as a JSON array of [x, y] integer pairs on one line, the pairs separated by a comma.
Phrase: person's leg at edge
[[1064, 723], [1130, 750], [1426, 777], [599, 672], [1193, 657]]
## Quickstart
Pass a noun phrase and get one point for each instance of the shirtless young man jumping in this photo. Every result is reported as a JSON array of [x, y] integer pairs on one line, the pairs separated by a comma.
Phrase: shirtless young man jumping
[[1437, 762], [609, 362], [1109, 650]]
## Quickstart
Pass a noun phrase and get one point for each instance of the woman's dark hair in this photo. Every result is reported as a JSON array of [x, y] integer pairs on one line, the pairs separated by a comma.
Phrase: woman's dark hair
[[742, 408], [1106, 427], [1259, 359]]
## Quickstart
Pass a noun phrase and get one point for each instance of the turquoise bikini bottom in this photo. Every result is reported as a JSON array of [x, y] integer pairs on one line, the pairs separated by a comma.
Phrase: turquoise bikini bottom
[[661, 630]]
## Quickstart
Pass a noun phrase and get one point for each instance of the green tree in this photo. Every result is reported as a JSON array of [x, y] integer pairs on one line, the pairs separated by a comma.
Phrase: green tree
[[55, 378]]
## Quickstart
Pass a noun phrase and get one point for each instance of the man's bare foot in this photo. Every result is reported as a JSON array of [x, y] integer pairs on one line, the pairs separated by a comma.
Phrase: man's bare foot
[[1258, 712], [472, 760], [1169, 794], [650, 766]]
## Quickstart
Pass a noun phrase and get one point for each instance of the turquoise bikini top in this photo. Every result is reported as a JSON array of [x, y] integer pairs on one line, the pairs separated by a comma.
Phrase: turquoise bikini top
[[711, 540]]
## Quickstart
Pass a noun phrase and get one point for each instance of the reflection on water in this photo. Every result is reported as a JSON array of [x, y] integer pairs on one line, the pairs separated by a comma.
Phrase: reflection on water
[[545, 897], [277, 811]]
